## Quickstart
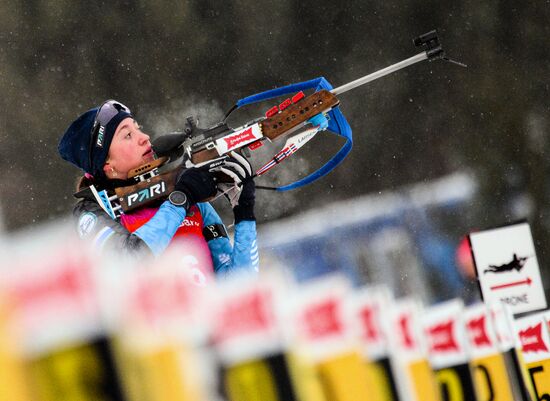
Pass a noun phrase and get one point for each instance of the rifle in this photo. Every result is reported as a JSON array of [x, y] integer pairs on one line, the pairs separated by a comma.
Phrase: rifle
[[194, 147]]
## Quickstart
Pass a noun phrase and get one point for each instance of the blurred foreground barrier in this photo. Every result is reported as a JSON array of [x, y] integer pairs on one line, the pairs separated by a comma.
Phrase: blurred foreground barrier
[[368, 306], [407, 344], [448, 350], [55, 311], [12, 379], [75, 327], [159, 320], [325, 354], [508, 345], [249, 343], [494, 375], [533, 336]]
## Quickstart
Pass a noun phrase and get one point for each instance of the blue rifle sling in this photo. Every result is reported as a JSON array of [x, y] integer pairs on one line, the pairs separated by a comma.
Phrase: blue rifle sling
[[337, 124]]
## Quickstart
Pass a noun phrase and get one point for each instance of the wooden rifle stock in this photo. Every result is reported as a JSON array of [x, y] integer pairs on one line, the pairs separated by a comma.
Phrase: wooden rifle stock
[[295, 115], [285, 121]]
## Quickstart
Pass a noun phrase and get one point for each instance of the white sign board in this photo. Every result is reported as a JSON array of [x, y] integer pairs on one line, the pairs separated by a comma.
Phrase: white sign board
[[507, 267]]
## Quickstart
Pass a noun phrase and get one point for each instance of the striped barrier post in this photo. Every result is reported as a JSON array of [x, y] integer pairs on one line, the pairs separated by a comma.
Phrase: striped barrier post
[[491, 377], [369, 306], [67, 352], [533, 336], [448, 350], [410, 349]]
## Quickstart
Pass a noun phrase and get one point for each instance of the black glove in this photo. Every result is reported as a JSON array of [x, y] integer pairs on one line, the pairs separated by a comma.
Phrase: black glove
[[235, 166], [197, 183], [245, 209]]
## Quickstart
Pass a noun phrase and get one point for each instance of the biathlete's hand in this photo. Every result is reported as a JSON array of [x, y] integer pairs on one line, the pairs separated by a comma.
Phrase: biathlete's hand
[[237, 167], [319, 120], [244, 210], [239, 170], [197, 183]]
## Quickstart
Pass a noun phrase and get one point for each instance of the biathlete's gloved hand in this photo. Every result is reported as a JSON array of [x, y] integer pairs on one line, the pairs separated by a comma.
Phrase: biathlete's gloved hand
[[319, 120], [238, 168], [244, 210], [198, 184]]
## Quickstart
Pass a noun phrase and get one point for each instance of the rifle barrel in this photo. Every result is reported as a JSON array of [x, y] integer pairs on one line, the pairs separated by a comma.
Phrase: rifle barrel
[[380, 73]]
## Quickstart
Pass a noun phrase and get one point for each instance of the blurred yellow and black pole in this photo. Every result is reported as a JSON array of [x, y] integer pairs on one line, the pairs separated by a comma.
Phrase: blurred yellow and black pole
[[13, 385], [322, 342], [367, 306], [533, 339], [492, 379], [449, 351], [66, 351], [407, 344], [159, 319], [247, 336]]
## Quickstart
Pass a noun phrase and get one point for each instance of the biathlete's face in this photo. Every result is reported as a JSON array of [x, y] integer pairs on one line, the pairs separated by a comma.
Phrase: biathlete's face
[[129, 149]]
